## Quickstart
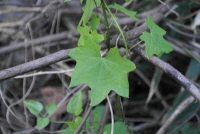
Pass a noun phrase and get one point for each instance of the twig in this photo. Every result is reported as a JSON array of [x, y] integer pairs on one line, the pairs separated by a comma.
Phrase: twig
[[50, 38], [189, 16], [171, 9], [21, 9], [112, 116], [83, 121], [143, 126], [178, 110], [183, 33], [7, 104], [191, 51], [30, 66], [172, 72], [143, 76], [105, 118], [182, 123], [42, 73], [181, 25], [19, 101], [11, 24], [61, 65], [132, 34]]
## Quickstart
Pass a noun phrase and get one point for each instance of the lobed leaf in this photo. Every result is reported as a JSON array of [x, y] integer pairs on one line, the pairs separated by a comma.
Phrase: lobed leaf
[[89, 40], [101, 74], [155, 43], [94, 22], [88, 9]]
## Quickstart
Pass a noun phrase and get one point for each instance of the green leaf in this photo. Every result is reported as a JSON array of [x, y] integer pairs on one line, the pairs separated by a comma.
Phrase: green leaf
[[33, 106], [51, 108], [155, 43], [119, 128], [86, 38], [74, 125], [131, 14], [101, 74], [68, 131], [42, 123], [94, 22], [88, 9], [94, 120], [75, 104], [127, 0]]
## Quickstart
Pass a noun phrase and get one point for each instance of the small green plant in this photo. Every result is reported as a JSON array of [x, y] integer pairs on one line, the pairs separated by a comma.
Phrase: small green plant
[[74, 107], [110, 73], [36, 108]]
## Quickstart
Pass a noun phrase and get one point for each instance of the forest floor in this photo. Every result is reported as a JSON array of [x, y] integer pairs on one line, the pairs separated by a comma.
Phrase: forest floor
[[36, 37]]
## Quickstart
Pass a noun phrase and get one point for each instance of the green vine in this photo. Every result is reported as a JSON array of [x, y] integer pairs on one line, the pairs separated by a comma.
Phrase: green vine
[[101, 74], [106, 23]]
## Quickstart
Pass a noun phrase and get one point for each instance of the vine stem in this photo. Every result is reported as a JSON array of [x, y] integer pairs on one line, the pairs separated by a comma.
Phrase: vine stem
[[120, 30], [106, 23], [112, 117], [4, 101], [120, 107], [135, 45]]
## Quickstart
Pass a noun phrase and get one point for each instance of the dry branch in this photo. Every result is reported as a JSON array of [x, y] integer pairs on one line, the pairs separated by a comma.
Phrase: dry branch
[[63, 54], [132, 34], [35, 42], [33, 65], [175, 114], [172, 72], [20, 9]]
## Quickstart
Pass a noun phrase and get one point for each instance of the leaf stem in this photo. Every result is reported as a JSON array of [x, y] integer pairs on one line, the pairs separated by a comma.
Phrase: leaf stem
[[120, 30], [57, 121], [135, 45], [106, 23], [121, 113]]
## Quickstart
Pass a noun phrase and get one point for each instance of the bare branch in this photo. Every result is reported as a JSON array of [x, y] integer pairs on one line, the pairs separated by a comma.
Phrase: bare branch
[[33, 65], [83, 121], [175, 114], [42, 40], [172, 72]]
